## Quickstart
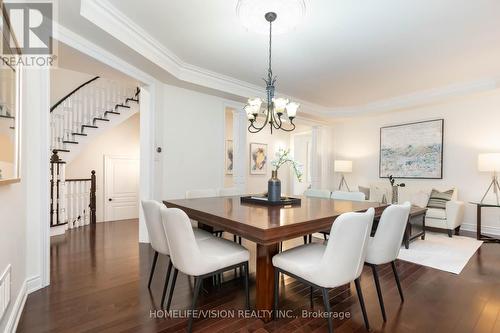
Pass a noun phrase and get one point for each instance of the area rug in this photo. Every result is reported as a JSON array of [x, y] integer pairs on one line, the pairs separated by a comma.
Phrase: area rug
[[441, 252]]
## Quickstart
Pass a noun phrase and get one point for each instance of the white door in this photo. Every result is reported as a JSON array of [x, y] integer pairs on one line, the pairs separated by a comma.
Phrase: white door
[[121, 188]]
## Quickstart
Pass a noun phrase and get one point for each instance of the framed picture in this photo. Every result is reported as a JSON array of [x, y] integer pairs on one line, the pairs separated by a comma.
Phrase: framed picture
[[229, 157], [412, 150], [258, 159]]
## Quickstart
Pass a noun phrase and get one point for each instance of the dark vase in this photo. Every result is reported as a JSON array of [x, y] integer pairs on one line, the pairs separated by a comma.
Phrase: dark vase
[[274, 187], [395, 194]]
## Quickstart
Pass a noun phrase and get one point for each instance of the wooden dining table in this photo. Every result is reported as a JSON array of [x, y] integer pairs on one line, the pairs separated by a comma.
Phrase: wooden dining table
[[267, 226]]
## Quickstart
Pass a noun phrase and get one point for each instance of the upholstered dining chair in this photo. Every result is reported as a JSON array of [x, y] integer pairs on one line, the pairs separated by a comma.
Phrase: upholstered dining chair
[[158, 239], [343, 195], [384, 247], [326, 266], [200, 258], [229, 192], [205, 193], [315, 193]]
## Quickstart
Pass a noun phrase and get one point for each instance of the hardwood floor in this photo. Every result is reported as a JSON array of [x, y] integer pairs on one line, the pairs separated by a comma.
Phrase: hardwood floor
[[99, 281]]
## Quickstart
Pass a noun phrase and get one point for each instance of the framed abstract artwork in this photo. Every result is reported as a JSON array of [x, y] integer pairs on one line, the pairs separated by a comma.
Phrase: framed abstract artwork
[[258, 159], [229, 157], [412, 150]]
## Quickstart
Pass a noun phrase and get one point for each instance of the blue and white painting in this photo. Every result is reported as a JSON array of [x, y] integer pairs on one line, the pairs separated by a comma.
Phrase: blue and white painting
[[412, 150]]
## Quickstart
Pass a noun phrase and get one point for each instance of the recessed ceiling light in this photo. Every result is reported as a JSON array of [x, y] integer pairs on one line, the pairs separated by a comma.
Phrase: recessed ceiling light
[[251, 13]]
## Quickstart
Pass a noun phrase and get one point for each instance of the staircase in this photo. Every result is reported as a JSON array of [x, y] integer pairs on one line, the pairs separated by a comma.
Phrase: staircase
[[91, 108]]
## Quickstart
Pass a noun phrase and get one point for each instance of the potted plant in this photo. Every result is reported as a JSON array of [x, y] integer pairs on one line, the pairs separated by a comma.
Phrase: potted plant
[[395, 188], [274, 184]]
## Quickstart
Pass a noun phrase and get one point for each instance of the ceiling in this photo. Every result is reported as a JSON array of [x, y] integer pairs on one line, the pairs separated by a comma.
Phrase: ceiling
[[345, 53]]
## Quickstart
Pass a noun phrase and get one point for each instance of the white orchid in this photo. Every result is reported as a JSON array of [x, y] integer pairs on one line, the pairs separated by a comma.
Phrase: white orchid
[[283, 156]]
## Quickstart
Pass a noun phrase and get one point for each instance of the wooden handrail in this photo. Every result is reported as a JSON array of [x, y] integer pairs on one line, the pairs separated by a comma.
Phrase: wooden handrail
[[72, 92]]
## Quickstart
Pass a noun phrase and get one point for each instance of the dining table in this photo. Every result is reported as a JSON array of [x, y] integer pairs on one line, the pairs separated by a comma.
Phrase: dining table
[[268, 226]]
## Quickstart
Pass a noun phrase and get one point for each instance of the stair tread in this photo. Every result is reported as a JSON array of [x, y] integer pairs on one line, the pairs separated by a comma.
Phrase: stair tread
[[73, 142], [123, 106], [80, 134], [90, 126], [102, 119], [112, 112], [61, 150]]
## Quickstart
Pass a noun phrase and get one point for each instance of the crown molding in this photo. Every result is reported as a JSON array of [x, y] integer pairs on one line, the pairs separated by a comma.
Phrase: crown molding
[[106, 16]]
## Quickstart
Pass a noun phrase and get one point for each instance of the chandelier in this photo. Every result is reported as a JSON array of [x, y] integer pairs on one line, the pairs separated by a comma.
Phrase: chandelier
[[274, 110]]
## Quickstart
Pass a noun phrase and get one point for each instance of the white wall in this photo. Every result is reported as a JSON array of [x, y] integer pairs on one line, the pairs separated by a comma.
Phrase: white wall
[[13, 239], [228, 118], [191, 134], [279, 139], [63, 81], [122, 140], [470, 127], [24, 205]]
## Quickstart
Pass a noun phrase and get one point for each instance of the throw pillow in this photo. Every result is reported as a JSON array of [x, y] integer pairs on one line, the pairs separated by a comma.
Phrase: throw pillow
[[439, 199]]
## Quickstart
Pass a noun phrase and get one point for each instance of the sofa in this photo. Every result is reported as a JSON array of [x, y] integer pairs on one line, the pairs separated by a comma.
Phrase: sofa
[[449, 219]]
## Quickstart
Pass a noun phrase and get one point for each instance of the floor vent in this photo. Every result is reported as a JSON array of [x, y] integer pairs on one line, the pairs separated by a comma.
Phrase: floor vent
[[4, 291]]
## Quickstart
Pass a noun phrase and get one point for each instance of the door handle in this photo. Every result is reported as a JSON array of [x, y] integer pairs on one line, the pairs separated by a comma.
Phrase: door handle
[[110, 199]]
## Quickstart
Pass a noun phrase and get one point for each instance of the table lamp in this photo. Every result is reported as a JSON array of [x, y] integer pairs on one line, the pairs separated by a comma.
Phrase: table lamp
[[343, 166], [490, 163]]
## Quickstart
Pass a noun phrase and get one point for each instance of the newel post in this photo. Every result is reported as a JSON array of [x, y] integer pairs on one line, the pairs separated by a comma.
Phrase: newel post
[[92, 198]]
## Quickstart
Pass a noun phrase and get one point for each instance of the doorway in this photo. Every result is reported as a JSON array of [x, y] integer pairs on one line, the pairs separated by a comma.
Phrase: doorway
[[121, 188]]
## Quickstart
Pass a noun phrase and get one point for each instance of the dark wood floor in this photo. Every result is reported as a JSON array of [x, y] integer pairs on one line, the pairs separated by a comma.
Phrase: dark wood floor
[[99, 277]]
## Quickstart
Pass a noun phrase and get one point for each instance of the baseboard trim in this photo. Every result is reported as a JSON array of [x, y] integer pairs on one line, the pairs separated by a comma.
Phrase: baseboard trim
[[33, 284], [17, 309], [495, 231]]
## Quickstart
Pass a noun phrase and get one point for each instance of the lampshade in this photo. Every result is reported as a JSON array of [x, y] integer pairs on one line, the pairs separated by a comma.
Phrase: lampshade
[[343, 166], [291, 109], [280, 105], [488, 162]]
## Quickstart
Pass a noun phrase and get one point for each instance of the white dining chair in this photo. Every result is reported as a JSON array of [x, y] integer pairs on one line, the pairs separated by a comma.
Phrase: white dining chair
[[200, 259], [205, 193], [384, 247], [229, 192], [158, 239], [315, 193], [352, 196], [337, 263], [343, 195]]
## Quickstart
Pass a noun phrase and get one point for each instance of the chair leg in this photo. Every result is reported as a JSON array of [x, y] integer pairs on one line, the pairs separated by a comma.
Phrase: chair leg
[[310, 238], [450, 233], [155, 258], [379, 291], [457, 231], [396, 276], [326, 302], [193, 305], [276, 292], [239, 240], [324, 236], [167, 277], [172, 286], [247, 289], [362, 303], [305, 239]]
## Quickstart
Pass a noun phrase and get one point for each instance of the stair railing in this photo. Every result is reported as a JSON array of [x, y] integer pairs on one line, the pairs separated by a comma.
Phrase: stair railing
[[91, 101], [72, 201]]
